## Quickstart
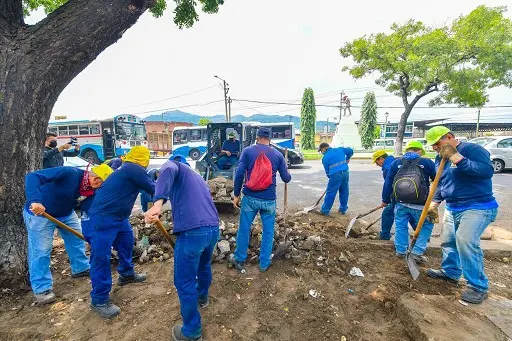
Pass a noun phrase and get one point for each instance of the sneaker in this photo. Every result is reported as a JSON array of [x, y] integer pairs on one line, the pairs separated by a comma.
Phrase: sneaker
[[472, 296], [177, 335], [439, 274], [400, 255], [203, 302], [342, 212], [264, 269], [106, 310], [85, 273], [45, 297], [420, 259], [379, 237], [240, 266], [319, 211], [131, 279]]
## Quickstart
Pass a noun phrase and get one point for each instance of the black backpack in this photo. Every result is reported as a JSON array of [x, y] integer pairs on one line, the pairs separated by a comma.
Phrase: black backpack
[[410, 185]]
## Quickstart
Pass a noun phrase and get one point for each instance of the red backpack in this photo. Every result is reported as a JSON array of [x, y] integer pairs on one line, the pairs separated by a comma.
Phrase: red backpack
[[261, 175]]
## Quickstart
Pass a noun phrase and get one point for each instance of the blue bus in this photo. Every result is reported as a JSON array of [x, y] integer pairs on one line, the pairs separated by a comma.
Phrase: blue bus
[[282, 134], [189, 141], [102, 139]]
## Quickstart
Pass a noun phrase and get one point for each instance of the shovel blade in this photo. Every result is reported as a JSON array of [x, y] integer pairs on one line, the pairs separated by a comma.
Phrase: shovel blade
[[349, 227], [413, 267]]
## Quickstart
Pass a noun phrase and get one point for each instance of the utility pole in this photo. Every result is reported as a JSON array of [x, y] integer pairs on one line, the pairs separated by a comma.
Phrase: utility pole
[[229, 108], [478, 122], [341, 104], [226, 90]]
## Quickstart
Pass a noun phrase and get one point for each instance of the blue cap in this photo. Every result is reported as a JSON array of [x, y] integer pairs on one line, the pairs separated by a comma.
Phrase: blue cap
[[263, 132], [179, 158]]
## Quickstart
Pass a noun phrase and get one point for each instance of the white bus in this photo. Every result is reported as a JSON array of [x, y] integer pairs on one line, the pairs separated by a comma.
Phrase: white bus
[[102, 139], [189, 141], [282, 133]]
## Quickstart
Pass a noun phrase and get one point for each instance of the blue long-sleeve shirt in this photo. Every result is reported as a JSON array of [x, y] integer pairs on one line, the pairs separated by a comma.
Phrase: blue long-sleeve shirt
[[427, 166], [468, 184], [246, 164], [191, 201], [335, 160], [115, 163], [57, 189], [52, 157], [388, 161], [115, 198], [232, 147]]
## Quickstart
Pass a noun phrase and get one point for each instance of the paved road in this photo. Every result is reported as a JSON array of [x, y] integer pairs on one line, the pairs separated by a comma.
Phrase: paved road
[[309, 182]]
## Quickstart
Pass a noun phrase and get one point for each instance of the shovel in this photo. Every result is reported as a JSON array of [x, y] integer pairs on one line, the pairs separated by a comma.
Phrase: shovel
[[166, 234], [353, 221], [309, 208], [63, 226], [413, 267]]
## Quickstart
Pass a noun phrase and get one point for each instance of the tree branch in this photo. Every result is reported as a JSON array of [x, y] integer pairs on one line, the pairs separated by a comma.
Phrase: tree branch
[[430, 88], [11, 16], [72, 36]]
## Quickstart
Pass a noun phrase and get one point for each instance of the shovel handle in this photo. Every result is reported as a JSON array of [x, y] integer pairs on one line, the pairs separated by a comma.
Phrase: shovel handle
[[285, 189], [429, 200], [370, 211], [166, 234], [63, 226]]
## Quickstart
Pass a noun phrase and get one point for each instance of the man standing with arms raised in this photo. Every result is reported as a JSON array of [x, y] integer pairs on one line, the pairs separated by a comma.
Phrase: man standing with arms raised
[[258, 165]]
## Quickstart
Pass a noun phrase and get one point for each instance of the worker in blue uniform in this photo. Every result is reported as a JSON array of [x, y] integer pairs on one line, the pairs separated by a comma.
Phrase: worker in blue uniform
[[335, 162]]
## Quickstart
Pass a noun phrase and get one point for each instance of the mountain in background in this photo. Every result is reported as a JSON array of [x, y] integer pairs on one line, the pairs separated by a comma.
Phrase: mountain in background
[[181, 116]]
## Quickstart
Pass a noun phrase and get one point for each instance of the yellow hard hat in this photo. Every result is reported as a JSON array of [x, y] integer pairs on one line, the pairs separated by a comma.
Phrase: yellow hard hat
[[139, 155], [434, 134], [415, 144], [102, 171], [378, 154]]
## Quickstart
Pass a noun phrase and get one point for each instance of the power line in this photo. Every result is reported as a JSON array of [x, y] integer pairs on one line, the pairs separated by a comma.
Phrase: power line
[[180, 107], [174, 97]]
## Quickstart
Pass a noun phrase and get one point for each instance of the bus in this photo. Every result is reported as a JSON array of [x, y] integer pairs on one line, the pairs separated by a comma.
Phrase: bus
[[102, 139], [282, 134], [189, 141]]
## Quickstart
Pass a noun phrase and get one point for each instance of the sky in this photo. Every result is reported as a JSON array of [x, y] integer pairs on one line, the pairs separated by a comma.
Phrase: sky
[[266, 50]]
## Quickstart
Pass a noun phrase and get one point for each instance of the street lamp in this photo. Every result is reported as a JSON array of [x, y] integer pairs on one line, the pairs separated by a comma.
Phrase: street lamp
[[385, 127]]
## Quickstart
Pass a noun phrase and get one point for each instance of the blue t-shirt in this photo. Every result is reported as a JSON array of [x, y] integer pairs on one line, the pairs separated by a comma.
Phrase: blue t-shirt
[[191, 201], [232, 147], [246, 164], [115, 198]]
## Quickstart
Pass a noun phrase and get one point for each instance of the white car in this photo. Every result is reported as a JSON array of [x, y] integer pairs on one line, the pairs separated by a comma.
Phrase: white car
[[75, 161], [500, 148]]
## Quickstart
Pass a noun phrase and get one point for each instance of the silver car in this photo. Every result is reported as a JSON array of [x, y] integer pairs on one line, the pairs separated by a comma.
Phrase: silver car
[[500, 148]]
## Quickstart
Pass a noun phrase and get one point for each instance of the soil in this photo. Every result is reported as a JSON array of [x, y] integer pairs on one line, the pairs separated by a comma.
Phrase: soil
[[276, 305]]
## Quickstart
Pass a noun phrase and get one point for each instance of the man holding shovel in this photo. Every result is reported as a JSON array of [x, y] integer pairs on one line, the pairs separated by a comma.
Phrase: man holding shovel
[[466, 186], [108, 226], [196, 224], [57, 191]]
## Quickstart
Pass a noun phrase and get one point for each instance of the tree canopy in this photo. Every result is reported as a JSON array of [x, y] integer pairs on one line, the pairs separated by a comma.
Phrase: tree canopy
[[204, 121], [459, 63], [308, 120], [185, 13]]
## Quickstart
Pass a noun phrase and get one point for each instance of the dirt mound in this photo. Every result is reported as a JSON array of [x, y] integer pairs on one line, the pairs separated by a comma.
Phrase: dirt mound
[[315, 298]]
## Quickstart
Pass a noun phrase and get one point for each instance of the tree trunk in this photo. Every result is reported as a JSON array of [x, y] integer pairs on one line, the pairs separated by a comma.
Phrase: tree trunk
[[401, 130], [36, 64]]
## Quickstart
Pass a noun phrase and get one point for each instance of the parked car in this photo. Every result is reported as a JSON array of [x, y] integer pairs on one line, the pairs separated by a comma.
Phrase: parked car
[[500, 148], [75, 161], [295, 157]]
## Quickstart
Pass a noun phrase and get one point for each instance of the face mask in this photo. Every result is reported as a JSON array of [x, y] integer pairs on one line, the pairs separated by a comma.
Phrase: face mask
[[53, 144]]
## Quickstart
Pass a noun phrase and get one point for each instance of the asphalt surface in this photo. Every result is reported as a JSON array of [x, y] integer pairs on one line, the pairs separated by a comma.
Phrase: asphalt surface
[[309, 182]]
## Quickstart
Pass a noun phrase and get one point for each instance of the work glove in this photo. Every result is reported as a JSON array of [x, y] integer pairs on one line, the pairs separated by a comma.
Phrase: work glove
[[433, 213], [448, 152]]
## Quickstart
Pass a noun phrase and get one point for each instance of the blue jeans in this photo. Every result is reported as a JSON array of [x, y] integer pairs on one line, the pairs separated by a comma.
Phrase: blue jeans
[[338, 183], [102, 234], [402, 217], [40, 242], [248, 210], [462, 254], [224, 160], [388, 218], [193, 273]]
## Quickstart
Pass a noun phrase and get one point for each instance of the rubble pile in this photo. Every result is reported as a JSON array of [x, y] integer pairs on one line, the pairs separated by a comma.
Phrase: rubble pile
[[150, 243], [221, 189], [291, 241]]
